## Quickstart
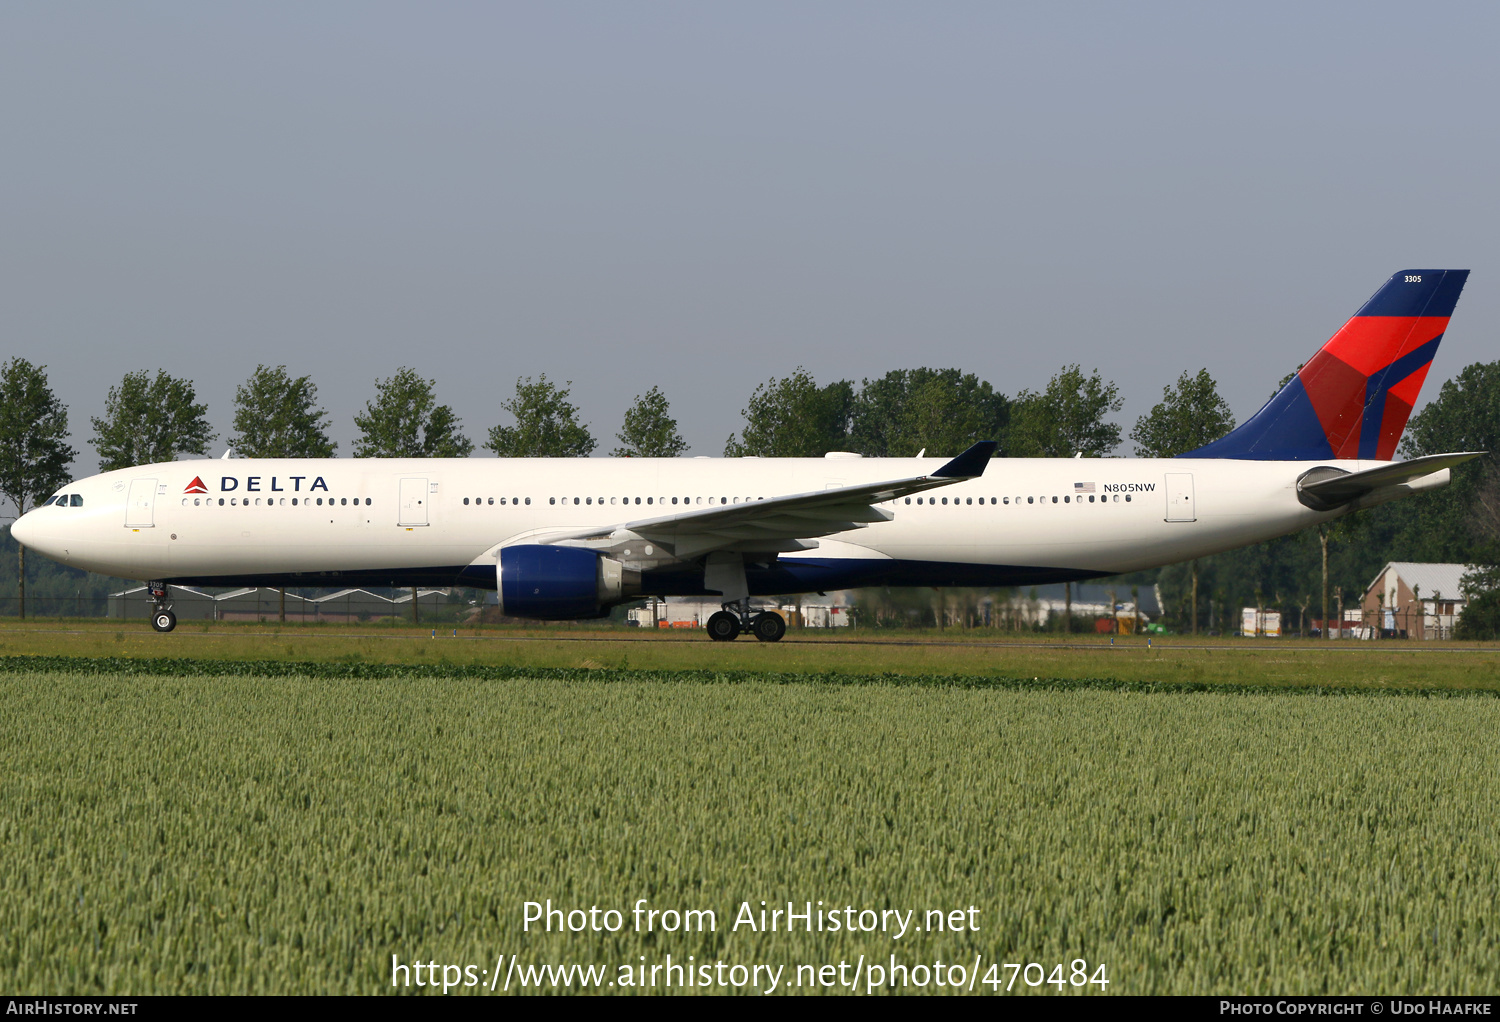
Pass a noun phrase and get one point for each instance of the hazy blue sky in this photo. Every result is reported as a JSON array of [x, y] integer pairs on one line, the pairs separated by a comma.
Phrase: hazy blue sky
[[706, 195]]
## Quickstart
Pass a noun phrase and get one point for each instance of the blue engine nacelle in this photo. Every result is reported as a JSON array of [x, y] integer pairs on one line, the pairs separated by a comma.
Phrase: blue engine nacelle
[[560, 583]]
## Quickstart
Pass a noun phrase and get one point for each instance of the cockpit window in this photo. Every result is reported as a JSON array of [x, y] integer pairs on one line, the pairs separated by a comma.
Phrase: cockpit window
[[76, 500], [47, 502]]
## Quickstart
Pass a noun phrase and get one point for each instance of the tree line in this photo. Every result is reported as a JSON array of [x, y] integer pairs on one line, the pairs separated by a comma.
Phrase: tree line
[[158, 418]]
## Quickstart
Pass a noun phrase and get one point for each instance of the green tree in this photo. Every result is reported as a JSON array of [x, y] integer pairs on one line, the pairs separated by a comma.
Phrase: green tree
[[794, 418], [276, 416], [1190, 415], [1066, 418], [546, 424], [405, 421], [942, 410], [649, 431], [34, 450], [150, 420]]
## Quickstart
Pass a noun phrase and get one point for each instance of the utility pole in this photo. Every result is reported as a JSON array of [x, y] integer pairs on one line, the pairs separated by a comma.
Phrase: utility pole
[[1195, 596], [1339, 592], [1323, 539]]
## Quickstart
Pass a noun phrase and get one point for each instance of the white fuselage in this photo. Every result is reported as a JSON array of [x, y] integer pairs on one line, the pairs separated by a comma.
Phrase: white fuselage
[[1029, 519]]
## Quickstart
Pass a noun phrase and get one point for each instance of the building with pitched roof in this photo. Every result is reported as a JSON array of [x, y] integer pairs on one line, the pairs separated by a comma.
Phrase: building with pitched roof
[[1411, 600]]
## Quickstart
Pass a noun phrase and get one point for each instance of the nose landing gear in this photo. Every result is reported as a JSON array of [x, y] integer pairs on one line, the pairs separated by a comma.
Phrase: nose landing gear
[[727, 624], [162, 618]]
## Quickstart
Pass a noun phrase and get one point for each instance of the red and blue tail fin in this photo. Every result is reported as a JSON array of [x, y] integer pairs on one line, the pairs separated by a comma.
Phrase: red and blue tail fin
[[1351, 401]]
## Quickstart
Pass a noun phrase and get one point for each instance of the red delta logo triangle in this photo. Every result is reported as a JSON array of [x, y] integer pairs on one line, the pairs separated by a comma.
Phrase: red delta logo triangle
[[196, 486]]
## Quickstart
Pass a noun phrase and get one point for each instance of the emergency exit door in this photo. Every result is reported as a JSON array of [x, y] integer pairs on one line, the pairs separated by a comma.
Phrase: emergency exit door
[[1180, 506], [413, 503]]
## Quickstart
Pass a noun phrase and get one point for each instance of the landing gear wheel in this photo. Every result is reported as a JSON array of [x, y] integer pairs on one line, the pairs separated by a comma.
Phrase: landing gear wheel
[[164, 620], [768, 626], [723, 627]]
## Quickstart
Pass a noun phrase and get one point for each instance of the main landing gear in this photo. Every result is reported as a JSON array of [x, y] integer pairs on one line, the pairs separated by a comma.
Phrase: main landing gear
[[162, 618], [726, 625]]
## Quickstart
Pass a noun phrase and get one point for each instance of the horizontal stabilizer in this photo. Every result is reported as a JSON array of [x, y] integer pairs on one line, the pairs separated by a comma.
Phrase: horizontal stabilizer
[[1326, 488]]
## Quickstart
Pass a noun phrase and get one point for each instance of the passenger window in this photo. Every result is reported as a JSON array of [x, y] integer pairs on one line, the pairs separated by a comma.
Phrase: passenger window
[[1031, 500], [1127, 498], [969, 501], [908, 500], [552, 500], [638, 500], [1067, 499], [1054, 500], [674, 500], [528, 500]]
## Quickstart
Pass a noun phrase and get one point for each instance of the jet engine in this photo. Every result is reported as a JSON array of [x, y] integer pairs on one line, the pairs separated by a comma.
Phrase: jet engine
[[561, 583]]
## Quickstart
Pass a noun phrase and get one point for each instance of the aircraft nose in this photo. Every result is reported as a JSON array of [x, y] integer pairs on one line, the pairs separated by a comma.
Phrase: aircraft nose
[[23, 530]]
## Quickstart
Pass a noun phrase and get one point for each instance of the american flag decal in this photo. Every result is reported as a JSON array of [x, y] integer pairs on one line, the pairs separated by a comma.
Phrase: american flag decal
[[1083, 487]]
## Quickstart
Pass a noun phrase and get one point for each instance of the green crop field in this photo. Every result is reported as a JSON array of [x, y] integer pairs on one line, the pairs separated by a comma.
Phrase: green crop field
[[232, 826]]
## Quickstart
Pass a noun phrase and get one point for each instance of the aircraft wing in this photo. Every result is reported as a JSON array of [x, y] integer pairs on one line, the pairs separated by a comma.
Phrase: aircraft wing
[[776, 524], [1326, 488]]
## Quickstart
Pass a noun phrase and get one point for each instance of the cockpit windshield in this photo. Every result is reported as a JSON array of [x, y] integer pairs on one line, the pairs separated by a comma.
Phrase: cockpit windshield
[[64, 500]]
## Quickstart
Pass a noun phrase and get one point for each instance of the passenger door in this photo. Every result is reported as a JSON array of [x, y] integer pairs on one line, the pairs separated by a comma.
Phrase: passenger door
[[1180, 506], [140, 505], [413, 503]]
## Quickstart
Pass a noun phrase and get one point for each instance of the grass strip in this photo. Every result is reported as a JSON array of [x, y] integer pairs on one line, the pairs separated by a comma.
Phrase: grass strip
[[357, 670]]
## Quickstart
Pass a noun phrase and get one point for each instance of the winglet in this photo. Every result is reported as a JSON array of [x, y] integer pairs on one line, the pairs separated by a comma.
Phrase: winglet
[[971, 463]]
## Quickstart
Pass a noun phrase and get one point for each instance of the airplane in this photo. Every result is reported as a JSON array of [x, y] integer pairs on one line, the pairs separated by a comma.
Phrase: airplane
[[569, 538]]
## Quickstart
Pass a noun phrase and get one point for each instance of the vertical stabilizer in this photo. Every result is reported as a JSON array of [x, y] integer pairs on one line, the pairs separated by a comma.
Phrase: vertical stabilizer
[[1352, 399]]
